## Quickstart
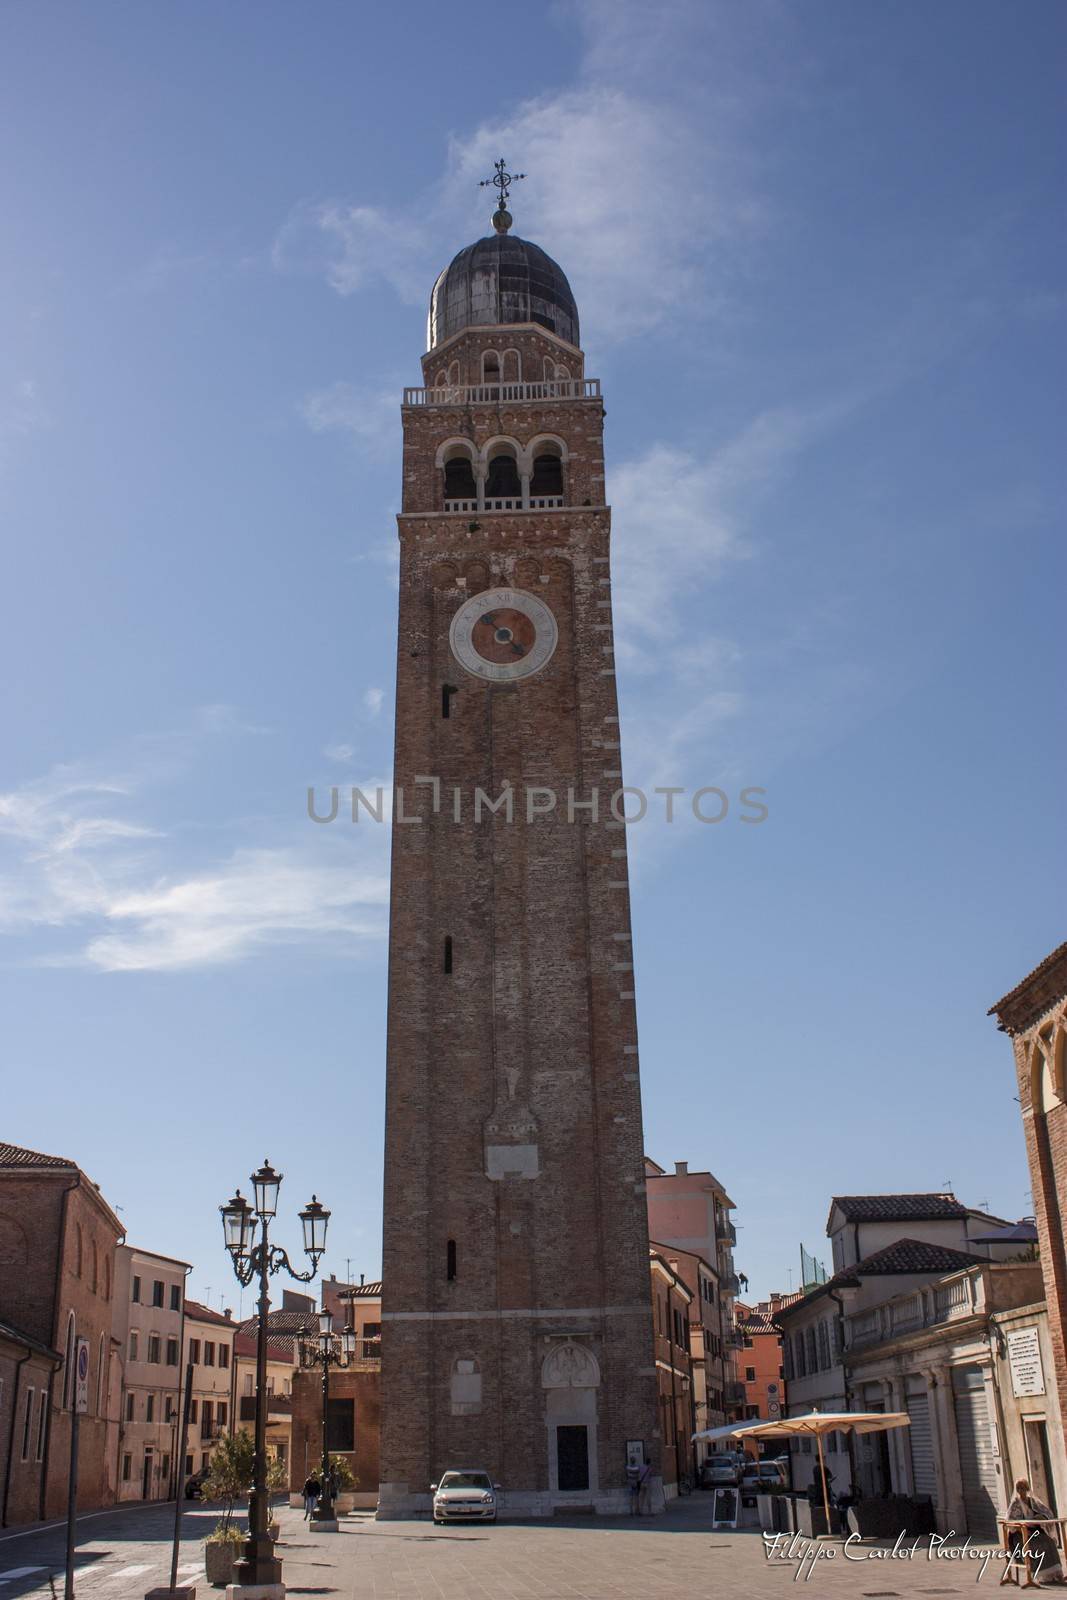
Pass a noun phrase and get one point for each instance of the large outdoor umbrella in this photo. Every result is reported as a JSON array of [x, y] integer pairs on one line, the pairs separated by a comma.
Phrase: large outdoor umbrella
[[818, 1423]]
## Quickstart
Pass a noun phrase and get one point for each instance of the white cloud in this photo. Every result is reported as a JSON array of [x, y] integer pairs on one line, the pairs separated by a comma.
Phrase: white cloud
[[638, 186], [98, 887], [372, 699], [369, 416], [341, 753]]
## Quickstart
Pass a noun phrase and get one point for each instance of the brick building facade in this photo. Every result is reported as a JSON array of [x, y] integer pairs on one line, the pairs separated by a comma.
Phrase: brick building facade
[[1034, 1015], [58, 1238], [517, 1332]]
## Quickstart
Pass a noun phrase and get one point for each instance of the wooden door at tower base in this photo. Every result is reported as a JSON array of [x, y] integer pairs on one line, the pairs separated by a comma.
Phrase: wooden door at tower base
[[572, 1457]]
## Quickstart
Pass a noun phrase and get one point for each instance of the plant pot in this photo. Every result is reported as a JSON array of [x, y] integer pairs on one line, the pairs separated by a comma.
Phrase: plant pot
[[219, 1559]]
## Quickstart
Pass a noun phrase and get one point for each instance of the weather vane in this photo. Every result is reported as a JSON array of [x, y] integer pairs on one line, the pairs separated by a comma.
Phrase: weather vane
[[502, 181]]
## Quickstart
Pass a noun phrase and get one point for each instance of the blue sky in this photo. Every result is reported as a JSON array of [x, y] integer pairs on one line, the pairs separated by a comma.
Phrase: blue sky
[[817, 251]]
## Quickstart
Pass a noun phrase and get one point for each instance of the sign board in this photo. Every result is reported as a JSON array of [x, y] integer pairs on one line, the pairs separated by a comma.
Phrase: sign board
[[635, 1454], [81, 1376], [724, 1508], [1024, 1359], [773, 1409]]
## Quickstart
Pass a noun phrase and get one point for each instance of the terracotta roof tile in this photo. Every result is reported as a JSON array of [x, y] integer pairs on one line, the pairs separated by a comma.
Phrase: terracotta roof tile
[[13, 1155], [1039, 990]]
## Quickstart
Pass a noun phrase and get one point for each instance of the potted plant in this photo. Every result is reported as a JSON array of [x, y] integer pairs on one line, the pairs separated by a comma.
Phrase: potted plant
[[229, 1477], [347, 1483]]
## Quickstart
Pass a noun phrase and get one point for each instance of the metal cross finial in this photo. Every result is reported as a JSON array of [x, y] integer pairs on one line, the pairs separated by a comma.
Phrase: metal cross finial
[[502, 181]]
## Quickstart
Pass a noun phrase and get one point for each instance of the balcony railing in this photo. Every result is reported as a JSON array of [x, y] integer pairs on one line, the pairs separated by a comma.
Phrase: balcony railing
[[962, 1296], [497, 394], [535, 502], [725, 1231]]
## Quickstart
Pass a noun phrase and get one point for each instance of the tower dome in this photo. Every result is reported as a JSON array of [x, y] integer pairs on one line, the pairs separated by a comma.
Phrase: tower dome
[[498, 280]]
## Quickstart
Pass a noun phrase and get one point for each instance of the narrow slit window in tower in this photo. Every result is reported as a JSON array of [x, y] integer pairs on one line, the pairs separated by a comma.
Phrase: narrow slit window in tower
[[450, 1271], [448, 952], [447, 691]]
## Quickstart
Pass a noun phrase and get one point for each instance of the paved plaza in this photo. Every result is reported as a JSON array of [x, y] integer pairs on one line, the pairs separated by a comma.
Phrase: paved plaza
[[122, 1554]]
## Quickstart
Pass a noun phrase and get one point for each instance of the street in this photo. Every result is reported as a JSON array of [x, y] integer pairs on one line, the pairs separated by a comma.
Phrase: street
[[122, 1554]]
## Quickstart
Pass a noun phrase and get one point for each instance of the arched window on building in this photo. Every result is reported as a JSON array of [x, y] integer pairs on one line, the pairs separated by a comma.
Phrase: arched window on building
[[459, 479], [490, 367], [547, 477], [77, 1249], [511, 367], [95, 1259], [503, 481]]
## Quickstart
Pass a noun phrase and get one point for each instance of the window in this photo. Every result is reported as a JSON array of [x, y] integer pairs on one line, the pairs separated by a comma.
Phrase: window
[[459, 479], [490, 367], [127, 1468], [135, 1290], [164, 1467], [172, 1352], [781, 1374], [221, 1413], [27, 1419], [134, 1343], [129, 1407], [175, 1297], [750, 1374], [77, 1250], [547, 475], [448, 953], [157, 1292], [188, 1466], [207, 1418], [450, 1261], [248, 1383], [194, 1409], [209, 1352], [503, 480], [224, 1355], [341, 1425], [150, 1408], [153, 1348], [194, 1351], [168, 1408], [447, 691]]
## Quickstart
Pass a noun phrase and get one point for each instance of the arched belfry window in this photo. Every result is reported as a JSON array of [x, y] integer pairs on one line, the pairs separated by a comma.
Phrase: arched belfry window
[[511, 370], [547, 476], [459, 479], [503, 482], [490, 367]]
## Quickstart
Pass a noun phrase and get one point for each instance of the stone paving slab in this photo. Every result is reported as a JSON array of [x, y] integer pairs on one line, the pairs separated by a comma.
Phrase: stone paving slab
[[123, 1554]]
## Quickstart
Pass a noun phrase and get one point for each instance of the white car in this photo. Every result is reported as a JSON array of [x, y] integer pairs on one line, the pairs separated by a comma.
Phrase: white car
[[465, 1497]]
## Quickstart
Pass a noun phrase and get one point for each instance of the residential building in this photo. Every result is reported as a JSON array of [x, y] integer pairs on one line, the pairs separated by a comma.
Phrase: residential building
[[514, 1206], [285, 1329], [761, 1362], [1034, 1016], [968, 1356], [148, 1318], [691, 1211], [671, 1303], [27, 1369], [58, 1238], [704, 1337], [208, 1349], [859, 1225], [354, 1421]]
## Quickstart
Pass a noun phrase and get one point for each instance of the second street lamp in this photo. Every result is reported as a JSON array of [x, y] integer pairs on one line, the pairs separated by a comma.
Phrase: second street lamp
[[325, 1515], [259, 1567]]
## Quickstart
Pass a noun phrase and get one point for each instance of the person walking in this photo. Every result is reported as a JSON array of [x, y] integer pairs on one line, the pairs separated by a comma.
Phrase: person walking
[[312, 1490]]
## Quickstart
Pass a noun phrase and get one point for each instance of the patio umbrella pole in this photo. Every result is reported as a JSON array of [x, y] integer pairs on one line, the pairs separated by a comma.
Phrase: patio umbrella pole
[[825, 1490]]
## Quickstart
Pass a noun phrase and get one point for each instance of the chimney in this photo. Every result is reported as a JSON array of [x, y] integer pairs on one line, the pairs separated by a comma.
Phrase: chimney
[[681, 1169], [228, 1313], [361, 1280]]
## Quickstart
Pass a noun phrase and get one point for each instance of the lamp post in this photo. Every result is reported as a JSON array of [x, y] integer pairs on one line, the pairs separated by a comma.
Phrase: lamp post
[[324, 1355], [259, 1567]]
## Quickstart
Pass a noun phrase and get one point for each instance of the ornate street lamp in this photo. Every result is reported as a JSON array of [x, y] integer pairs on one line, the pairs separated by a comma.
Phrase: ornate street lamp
[[258, 1565], [324, 1517]]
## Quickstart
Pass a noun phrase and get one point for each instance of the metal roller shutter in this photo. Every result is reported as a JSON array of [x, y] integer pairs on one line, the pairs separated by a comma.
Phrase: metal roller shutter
[[977, 1463], [921, 1440]]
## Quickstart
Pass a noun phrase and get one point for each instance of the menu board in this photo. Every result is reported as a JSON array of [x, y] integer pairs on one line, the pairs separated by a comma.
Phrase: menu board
[[724, 1509]]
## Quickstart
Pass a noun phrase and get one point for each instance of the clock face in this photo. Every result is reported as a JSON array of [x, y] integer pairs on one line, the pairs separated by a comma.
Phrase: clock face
[[503, 634]]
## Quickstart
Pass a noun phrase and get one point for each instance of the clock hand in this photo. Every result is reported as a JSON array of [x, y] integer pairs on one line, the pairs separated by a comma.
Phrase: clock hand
[[489, 619], [519, 649]]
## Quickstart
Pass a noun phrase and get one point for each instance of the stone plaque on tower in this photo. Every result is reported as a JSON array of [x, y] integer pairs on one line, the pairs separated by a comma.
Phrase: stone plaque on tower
[[517, 1332]]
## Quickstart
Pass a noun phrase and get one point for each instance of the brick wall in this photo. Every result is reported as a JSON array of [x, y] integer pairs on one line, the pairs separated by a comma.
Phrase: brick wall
[[362, 1385]]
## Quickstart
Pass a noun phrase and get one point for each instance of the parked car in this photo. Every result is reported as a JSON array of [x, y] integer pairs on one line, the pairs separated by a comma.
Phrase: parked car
[[772, 1475], [465, 1496], [194, 1486], [721, 1469]]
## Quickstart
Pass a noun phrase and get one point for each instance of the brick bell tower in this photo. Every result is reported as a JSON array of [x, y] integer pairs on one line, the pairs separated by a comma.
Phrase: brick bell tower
[[517, 1331]]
